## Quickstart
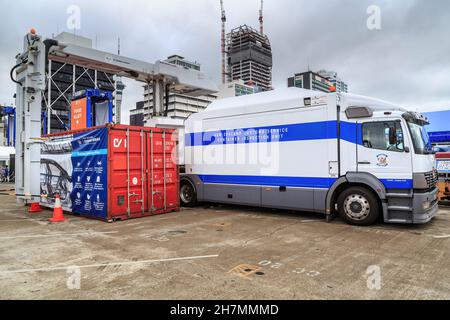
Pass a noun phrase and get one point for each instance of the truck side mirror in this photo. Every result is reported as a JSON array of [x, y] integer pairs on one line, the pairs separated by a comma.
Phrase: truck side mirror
[[406, 149]]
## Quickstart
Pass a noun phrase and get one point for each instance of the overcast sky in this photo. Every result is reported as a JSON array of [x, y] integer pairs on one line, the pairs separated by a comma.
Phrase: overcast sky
[[407, 61]]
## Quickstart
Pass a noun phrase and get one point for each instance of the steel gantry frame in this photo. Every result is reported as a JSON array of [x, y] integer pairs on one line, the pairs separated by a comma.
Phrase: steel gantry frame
[[51, 83], [33, 73]]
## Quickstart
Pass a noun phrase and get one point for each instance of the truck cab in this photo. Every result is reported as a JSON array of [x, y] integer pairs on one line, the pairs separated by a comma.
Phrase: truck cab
[[393, 147]]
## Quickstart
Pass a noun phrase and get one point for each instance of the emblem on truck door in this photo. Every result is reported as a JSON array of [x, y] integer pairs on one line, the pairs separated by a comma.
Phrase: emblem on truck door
[[382, 160]]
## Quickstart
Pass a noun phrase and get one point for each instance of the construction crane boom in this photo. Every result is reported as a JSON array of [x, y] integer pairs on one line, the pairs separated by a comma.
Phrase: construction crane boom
[[222, 39], [261, 18]]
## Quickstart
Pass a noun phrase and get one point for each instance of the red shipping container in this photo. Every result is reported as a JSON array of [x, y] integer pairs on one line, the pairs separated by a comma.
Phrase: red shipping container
[[140, 177]]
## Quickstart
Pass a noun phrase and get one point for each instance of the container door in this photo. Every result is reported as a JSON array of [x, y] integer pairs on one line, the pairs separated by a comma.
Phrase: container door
[[162, 169], [170, 168], [127, 187]]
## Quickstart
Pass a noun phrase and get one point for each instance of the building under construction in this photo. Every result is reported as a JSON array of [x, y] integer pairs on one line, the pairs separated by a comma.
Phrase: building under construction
[[249, 57]]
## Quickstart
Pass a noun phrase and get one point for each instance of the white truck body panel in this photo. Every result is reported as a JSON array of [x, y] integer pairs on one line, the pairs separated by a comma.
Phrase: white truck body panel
[[280, 148]]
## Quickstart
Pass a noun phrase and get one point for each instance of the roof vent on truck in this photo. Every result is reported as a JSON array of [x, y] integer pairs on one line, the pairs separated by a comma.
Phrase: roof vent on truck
[[355, 112]]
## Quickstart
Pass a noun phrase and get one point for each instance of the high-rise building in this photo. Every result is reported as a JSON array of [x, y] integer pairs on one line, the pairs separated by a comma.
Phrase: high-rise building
[[311, 81], [249, 57], [137, 115], [181, 61], [68, 79], [234, 89], [337, 82], [179, 106]]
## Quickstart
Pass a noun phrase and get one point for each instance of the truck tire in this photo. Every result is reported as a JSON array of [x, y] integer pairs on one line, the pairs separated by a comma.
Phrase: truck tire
[[358, 206], [188, 195]]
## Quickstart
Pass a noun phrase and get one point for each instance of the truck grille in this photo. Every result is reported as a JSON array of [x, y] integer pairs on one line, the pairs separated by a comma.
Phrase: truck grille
[[431, 178]]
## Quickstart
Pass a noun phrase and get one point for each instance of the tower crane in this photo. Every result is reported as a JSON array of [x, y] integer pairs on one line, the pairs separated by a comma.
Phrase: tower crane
[[222, 39], [261, 18]]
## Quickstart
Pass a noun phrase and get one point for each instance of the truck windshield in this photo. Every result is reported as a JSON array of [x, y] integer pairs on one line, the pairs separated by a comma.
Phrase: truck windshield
[[420, 137]]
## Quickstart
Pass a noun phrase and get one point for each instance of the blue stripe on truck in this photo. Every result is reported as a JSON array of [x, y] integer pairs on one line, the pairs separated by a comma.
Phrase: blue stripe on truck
[[299, 182], [397, 183], [270, 181], [280, 133]]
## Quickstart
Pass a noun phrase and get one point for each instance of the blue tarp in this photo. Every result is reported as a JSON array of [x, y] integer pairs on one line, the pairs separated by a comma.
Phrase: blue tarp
[[439, 128]]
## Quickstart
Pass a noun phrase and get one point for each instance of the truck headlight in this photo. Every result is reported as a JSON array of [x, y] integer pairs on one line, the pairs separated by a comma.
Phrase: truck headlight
[[426, 205]]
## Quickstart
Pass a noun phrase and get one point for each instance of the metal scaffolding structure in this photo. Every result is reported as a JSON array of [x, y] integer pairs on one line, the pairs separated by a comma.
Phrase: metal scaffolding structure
[[80, 78]]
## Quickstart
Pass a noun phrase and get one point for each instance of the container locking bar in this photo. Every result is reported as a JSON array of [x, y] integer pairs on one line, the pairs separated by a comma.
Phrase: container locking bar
[[142, 172], [128, 172], [151, 170], [164, 175]]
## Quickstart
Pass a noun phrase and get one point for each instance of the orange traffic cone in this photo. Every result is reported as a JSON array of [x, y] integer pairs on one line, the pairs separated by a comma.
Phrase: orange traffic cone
[[35, 208], [57, 211]]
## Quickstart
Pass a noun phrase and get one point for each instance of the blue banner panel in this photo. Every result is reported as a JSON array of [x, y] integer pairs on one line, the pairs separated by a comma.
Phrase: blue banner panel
[[89, 176], [440, 137]]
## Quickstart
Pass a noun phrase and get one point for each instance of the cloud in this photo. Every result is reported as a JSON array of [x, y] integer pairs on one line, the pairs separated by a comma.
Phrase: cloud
[[406, 62]]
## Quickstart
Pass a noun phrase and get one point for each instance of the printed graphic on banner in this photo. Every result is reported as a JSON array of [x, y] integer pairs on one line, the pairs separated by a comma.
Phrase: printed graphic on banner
[[89, 158], [56, 171], [443, 166], [75, 166], [78, 116]]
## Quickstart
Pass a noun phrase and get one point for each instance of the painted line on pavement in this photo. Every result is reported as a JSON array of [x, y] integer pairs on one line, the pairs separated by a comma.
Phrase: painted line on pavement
[[58, 235], [442, 237], [130, 263], [24, 219]]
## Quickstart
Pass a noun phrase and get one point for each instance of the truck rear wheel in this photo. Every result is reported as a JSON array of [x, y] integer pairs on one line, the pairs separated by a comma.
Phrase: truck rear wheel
[[188, 196], [358, 206]]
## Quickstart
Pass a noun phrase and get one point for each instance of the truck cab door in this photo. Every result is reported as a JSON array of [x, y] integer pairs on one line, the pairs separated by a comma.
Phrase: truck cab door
[[383, 151]]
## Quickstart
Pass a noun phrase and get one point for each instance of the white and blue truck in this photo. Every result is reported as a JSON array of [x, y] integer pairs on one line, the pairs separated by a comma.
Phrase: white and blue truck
[[364, 158]]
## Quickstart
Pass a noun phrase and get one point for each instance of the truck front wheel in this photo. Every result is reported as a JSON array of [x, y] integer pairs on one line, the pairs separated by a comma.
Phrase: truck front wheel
[[358, 206], [188, 196]]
